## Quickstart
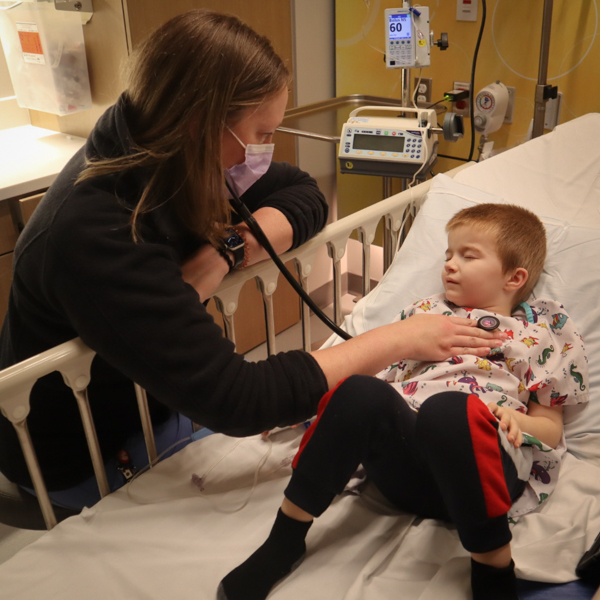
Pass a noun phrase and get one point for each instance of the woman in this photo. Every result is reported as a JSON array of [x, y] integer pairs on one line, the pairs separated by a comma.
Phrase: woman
[[128, 243]]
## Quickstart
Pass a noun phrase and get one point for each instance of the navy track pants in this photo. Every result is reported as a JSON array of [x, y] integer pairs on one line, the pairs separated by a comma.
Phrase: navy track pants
[[443, 462]]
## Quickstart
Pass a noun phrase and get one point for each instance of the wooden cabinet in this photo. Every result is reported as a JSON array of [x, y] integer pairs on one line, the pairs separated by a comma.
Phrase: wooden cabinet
[[5, 281], [9, 231], [28, 205], [8, 237], [116, 28]]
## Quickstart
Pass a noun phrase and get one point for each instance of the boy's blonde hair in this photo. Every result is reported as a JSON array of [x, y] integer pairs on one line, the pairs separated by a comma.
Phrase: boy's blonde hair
[[520, 238]]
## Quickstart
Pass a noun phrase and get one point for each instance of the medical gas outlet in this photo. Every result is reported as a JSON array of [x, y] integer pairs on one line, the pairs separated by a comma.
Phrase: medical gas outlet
[[490, 108]]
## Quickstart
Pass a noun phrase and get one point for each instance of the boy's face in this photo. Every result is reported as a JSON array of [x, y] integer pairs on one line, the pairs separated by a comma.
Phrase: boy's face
[[473, 275]]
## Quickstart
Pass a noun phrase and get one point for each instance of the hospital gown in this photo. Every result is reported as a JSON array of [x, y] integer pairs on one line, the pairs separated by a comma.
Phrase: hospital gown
[[543, 360]]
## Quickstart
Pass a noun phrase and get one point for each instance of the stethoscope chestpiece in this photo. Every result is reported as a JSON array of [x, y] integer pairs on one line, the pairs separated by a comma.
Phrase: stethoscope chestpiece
[[488, 323]]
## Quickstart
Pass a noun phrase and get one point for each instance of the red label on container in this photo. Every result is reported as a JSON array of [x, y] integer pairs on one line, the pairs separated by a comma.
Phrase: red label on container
[[31, 42]]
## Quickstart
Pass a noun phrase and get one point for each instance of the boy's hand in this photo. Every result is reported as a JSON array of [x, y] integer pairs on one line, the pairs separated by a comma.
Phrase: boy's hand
[[508, 423]]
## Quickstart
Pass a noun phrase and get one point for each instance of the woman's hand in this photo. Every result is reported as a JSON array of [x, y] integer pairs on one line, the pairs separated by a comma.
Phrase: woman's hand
[[435, 338], [204, 271], [423, 337], [509, 423]]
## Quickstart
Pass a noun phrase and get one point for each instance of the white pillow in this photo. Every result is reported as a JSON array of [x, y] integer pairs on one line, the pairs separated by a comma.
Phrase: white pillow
[[571, 276]]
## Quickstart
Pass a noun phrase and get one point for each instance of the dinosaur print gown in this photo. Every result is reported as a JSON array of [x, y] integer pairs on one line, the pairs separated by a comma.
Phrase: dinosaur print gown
[[543, 360]]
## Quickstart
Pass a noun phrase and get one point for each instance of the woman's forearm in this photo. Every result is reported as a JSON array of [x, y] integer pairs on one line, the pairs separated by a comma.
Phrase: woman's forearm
[[366, 354], [422, 337], [277, 229]]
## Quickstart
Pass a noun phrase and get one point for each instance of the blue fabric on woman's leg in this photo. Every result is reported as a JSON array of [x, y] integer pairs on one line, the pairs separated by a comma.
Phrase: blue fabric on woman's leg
[[176, 428]]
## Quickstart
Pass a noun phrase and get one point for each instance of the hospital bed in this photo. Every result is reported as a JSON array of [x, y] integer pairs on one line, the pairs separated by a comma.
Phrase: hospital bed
[[180, 527]]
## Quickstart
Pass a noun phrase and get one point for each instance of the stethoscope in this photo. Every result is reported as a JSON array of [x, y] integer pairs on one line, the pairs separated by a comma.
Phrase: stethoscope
[[487, 323], [259, 234]]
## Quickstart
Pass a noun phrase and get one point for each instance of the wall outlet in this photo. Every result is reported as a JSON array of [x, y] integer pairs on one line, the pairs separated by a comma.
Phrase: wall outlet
[[462, 106], [423, 91]]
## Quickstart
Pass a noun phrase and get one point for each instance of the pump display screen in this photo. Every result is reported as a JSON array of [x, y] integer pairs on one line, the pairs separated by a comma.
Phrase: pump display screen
[[400, 26], [378, 142]]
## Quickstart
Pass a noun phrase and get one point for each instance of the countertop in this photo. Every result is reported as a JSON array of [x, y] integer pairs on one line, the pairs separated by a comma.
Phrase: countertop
[[32, 157]]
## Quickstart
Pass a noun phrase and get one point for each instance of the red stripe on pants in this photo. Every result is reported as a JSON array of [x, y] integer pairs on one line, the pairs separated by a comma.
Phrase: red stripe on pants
[[486, 449], [308, 434]]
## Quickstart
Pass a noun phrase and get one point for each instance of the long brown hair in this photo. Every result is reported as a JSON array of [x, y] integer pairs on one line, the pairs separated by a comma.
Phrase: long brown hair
[[194, 74]]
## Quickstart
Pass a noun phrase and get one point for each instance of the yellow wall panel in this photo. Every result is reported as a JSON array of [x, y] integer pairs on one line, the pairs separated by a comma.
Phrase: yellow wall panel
[[509, 52]]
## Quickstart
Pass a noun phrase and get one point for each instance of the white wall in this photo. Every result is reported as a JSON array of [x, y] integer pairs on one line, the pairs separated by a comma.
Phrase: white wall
[[314, 47], [314, 60]]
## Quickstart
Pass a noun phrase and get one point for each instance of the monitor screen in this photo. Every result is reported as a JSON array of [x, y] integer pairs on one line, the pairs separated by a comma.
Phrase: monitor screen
[[400, 26], [378, 142]]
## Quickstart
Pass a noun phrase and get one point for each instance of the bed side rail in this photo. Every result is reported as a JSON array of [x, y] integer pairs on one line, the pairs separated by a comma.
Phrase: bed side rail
[[335, 237], [73, 359]]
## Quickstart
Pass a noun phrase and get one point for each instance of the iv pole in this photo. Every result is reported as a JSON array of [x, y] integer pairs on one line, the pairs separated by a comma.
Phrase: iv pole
[[543, 91], [405, 98]]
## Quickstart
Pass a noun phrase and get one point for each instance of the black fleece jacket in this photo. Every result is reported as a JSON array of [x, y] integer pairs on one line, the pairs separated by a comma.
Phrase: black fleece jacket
[[77, 272]]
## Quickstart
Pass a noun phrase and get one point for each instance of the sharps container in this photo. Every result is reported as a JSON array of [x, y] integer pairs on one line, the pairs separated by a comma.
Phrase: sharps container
[[46, 59]]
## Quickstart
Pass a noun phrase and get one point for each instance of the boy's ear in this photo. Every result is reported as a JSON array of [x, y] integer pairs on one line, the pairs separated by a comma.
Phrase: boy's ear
[[517, 280]]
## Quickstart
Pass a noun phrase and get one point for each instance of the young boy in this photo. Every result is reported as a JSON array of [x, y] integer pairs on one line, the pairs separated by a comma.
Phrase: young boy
[[471, 441]]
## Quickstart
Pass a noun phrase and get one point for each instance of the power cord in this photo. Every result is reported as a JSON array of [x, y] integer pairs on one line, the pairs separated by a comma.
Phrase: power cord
[[472, 94], [472, 87]]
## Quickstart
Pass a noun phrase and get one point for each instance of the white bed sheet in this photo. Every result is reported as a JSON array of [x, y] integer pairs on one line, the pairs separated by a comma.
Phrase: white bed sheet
[[166, 539], [171, 542]]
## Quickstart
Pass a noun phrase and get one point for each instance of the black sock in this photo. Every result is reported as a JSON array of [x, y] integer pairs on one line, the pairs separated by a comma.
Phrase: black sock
[[276, 558], [492, 583]]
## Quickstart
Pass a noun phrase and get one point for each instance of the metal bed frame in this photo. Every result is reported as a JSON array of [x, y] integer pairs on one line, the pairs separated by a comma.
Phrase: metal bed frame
[[73, 359]]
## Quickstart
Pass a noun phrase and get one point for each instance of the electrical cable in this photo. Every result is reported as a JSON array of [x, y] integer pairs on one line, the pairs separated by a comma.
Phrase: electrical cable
[[259, 234], [444, 99], [473, 67], [454, 157], [151, 464], [200, 481], [416, 90], [472, 88], [426, 157]]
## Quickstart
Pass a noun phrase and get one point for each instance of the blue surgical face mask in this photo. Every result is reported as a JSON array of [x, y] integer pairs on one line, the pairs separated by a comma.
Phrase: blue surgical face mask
[[258, 159]]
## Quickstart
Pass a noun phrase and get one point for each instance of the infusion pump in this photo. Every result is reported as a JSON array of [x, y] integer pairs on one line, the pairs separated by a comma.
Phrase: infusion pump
[[397, 146], [407, 38]]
